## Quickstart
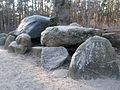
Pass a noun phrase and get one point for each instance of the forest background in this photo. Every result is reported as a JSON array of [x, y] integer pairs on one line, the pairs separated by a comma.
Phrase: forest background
[[89, 13]]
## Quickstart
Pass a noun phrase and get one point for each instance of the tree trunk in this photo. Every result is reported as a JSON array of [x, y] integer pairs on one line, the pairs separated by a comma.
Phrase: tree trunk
[[61, 11]]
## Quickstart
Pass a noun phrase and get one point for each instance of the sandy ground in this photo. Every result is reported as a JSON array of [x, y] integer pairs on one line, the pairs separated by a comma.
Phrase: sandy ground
[[21, 72]]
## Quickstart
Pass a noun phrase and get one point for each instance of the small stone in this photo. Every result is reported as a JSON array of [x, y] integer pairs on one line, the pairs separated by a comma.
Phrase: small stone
[[20, 49], [12, 46]]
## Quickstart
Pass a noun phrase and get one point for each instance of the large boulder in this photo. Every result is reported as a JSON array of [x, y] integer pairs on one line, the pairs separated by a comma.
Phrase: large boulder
[[3, 37], [114, 38], [15, 48], [21, 45], [9, 39], [2, 40], [66, 35], [94, 58], [33, 26], [24, 40], [53, 57]]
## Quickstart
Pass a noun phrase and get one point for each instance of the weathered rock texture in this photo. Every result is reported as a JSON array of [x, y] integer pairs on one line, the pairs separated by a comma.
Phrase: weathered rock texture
[[24, 40], [24, 43], [66, 35], [36, 51], [12, 46], [114, 38], [94, 58], [33, 26], [53, 57], [16, 48], [9, 39], [21, 45], [2, 40], [3, 35], [20, 49]]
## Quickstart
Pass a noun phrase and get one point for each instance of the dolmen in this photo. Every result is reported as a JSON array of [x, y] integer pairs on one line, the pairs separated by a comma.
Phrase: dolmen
[[87, 54]]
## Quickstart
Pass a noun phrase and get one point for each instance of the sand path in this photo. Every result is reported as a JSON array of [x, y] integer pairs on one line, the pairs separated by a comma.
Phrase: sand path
[[21, 72]]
